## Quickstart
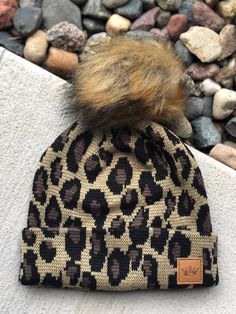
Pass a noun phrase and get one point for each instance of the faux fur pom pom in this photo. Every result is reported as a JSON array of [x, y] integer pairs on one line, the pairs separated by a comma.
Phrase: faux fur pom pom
[[127, 80]]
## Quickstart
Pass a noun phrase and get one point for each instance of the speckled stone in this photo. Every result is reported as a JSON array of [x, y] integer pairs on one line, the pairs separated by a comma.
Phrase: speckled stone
[[7, 12], [93, 26], [96, 9], [231, 127], [169, 5], [224, 154], [146, 21], [224, 103], [117, 24], [132, 10], [200, 71], [27, 20], [184, 53], [142, 34], [194, 108]]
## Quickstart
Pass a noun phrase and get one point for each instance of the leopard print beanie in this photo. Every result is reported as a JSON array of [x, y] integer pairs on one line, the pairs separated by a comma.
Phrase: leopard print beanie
[[119, 209]]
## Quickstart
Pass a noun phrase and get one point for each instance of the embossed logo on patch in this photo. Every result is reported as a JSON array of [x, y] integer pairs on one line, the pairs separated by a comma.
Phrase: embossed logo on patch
[[189, 271]]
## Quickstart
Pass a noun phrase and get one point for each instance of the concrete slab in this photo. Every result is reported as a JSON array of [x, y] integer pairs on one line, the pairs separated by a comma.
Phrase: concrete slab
[[32, 115]]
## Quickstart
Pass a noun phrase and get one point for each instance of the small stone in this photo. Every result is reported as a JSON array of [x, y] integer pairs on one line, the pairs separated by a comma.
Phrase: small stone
[[66, 36], [178, 24], [93, 26], [27, 20], [194, 108], [205, 134], [142, 34], [224, 103], [181, 126], [113, 4], [93, 42], [187, 9], [161, 36], [7, 12], [184, 53], [36, 47], [162, 18], [227, 71], [196, 38], [211, 3], [231, 127], [188, 84], [148, 4], [227, 41], [224, 154], [10, 43], [227, 8], [203, 15], [169, 5], [117, 24], [209, 87], [146, 21], [207, 106], [60, 61], [30, 3], [132, 10], [197, 91], [199, 71], [230, 143], [95, 9], [55, 11]]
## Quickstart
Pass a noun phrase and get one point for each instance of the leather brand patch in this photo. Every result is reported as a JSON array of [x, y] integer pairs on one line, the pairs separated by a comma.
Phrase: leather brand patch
[[189, 271]]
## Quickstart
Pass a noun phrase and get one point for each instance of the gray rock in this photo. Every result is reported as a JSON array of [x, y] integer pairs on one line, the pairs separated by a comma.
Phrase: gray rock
[[79, 2], [207, 106], [93, 26], [95, 9], [30, 3], [194, 108], [55, 11], [162, 18], [132, 10], [142, 34], [184, 53], [186, 9], [27, 20], [231, 127], [8, 42], [148, 4], [113, 4], [169, 5], [205, 134]]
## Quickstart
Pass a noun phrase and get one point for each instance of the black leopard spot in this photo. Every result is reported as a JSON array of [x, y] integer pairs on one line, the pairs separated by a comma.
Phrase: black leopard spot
[[53, 213], [40, 185], [88, 282], [172, 283], [171, 136], [117, 266], [135, 256], [92, 168], [185, 204], [159, 239], [121, 139], [98, 251], [138, 229], [77, 149], [141, 150], [50, 232], [117, 227], [179, 246], [95, 204], [120, 176], [160, 165], [170, 202], [172, 168], [206, 258], [204, 220], [75, 242], [50, 280], [149, 189], [185, 163], [208, 280], [74, 222], [70, 193], [28, 236], [214, 253], [149, 269], [30, 275], [72, 271], [62, 139], [198, 182], [156, 138], [106, 156], [129, 201], [33, 216], [47, 251], [56, 171]]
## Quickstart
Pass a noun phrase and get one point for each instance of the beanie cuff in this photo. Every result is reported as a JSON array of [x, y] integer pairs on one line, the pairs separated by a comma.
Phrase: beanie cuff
[[97, 259]]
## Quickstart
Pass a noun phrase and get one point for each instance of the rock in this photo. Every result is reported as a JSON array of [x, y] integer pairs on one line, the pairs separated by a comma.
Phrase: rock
[[203, 15], [60, 61], [30, 3], [231, 127], [211, 3], [66, 36], [224, 103], [186, 9], [93, 26], [95, 9], [27, 20], [162, 18], [132, 10], [79, 2], [227, 71], [205, 134], [148, 4], [142, 34], [199, 71], [146, 21], [196, 38], [94, 41], [113, 4], [169, 5], [117, 24], [224, 154], [161, 36], [55, 11], [194, 108], [7, 12], [209, 87], [188, 84], [227, 41], [178, 24], [10, 43], [231, 144], [207, 106], [184, 53], [227, 8], [36, 47], [181, 126]]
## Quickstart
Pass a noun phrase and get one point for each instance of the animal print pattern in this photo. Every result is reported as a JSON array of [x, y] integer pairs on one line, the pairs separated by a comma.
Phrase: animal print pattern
[[113, 210]]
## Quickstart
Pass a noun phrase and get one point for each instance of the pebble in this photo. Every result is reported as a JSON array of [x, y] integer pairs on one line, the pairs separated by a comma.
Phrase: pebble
[[199, 71], [196, 38], [93, 26], [205, 134], [36, 47], [227, 41], [146, 21], [224, 103], [186, 9], [162, 18], [95, 9], [27, 20], [132, 10], [161, 35], [231, 127], [66, 36], [227, 71], [178, 24], [148, 4], [230, 143], [169, 5], [207, 106], [30, 3], [7, 11], [227, 8], [184, 53], [55, 11], [7, 41], [209, 87], [142, 34], [60, 62], [92, 42], [113, 4], [117, 24], [225, 154], [194, 108], [203, 15], [181, 126], [188, 84]]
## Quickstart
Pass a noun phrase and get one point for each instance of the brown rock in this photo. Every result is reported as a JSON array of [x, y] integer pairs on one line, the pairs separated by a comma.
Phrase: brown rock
[[7, 11], [161, 35], [211, 3], [225, 154], [227, 41], [226, 72], [146, 21], [178, 24], [199, 71], [205, 16], [117, 24]]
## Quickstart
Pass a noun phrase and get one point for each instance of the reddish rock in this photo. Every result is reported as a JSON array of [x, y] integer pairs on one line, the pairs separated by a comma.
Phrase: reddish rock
[[161, 35], [7, 11], [199, 71], [178, 24], [203, 15], [146, 21]]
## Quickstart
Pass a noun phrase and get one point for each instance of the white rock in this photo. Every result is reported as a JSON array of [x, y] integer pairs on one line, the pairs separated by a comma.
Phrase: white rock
[[224, 103], [209, 87]]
